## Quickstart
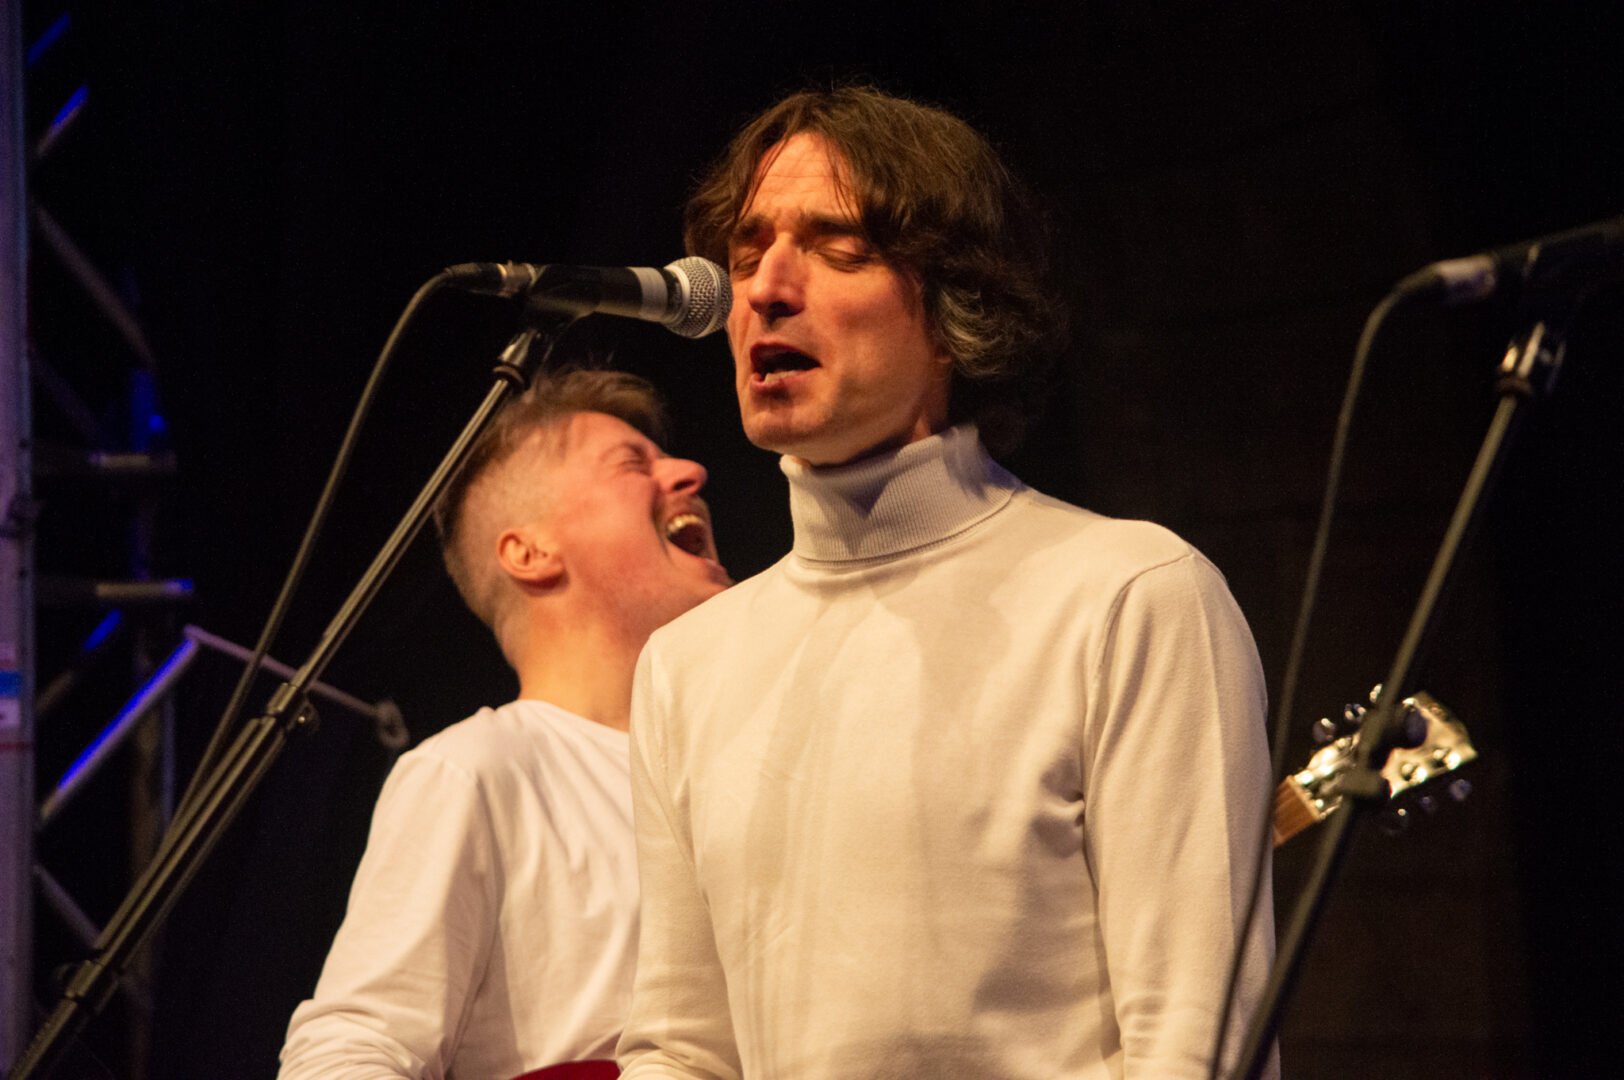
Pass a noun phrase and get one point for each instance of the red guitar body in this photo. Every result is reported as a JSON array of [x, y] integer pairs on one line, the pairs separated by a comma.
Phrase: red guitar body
[[575, 1070]]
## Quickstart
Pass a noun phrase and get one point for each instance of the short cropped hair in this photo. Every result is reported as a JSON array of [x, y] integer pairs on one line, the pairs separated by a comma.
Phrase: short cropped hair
[[935, 201], [487, 495]]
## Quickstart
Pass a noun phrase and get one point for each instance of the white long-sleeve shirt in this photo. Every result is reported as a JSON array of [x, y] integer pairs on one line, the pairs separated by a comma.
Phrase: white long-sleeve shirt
[[492, 926], [966, 785]]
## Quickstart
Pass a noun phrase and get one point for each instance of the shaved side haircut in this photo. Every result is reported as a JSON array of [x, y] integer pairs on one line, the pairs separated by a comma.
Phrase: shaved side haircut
[[497, 488]]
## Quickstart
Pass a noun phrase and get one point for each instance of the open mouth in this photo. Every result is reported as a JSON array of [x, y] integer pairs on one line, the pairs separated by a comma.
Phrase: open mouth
[[690, 533], [772, 363]]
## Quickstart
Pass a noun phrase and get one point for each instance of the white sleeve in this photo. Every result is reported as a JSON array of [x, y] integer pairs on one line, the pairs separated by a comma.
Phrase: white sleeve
[[680, 1025], [1176, 778], [423, 912]]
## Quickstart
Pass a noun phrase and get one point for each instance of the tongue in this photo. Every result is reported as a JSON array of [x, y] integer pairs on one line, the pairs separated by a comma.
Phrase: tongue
[[690, 538]]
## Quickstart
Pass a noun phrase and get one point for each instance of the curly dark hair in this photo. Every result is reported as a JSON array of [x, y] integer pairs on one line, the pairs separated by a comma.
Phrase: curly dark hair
[[937, 203]]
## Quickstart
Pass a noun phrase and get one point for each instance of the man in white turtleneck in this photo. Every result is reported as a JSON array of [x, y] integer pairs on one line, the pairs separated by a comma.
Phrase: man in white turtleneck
[[968, 783], [492, 926]]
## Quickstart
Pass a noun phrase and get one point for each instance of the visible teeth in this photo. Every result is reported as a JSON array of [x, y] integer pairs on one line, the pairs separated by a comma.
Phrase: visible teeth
[[688, 532], [681, 522], [776, 362]]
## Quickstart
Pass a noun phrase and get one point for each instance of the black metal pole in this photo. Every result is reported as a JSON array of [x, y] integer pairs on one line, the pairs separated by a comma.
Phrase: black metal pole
[[194, 834], [1528, 367]]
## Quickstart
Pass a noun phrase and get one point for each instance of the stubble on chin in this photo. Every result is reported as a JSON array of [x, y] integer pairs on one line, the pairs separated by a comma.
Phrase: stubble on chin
[[768, 428]]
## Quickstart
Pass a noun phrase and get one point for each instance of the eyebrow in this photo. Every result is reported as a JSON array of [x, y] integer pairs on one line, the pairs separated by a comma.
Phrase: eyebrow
[[814, 224], [626, 444]]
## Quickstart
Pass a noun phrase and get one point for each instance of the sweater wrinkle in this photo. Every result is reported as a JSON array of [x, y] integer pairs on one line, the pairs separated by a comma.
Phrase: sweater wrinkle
[[860, 782], [926, 492]]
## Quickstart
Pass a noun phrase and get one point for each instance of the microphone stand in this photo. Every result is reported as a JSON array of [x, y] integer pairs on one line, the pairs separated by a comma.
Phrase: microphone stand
[[258, 744], [1527, 371]]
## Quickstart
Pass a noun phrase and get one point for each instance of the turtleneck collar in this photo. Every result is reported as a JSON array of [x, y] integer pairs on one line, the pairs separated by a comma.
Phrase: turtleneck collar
[[891, 503]]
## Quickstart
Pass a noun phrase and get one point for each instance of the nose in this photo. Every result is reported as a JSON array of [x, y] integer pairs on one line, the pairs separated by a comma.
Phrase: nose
[[679, 476], [777, 289]]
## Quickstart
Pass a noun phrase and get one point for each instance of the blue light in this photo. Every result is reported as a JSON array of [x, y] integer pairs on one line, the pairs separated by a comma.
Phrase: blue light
[[90, 751], [117, 724], [71, 106], [49, 38], [103, 631]]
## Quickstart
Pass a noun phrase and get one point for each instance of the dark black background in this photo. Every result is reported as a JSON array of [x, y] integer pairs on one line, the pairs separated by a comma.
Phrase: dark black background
[[1234, 186]]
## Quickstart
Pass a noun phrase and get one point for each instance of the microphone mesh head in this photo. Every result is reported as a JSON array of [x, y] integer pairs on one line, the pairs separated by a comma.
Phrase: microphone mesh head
[[707, 297]]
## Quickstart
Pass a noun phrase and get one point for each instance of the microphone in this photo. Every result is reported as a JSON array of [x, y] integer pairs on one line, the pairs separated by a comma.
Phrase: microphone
[[691, 296], [1531, 265]]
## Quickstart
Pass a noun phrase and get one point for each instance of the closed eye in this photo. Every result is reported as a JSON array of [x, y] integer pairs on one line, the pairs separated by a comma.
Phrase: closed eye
[[628, 456], [846, 256]]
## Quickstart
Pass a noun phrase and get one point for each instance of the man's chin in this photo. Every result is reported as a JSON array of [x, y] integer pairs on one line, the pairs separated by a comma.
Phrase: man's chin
[[775, 434], [784, 428]]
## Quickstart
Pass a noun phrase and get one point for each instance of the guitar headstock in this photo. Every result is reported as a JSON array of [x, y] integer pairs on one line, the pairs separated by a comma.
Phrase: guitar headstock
[[1443, 746], [1444, 749]]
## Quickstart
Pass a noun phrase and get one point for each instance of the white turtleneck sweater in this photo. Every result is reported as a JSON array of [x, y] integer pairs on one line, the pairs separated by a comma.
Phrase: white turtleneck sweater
[[968, 784]]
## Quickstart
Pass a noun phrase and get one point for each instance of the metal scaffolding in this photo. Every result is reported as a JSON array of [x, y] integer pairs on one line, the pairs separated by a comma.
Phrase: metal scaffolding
[[80, 418], [95, 463], [16, 601]]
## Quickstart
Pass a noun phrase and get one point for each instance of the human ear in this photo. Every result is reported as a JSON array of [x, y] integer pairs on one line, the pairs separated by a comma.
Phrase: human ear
[[529, 558]]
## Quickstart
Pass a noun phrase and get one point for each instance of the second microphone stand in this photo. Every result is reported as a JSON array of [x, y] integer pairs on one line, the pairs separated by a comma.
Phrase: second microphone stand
[[1527, 371]]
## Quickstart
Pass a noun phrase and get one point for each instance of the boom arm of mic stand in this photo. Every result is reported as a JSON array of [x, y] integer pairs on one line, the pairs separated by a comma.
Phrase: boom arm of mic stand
[[1528, 368], [193, 835]]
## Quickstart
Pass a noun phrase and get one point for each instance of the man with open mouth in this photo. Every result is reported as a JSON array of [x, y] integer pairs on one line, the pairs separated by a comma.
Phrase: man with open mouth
[[968, 783], [492, 926]]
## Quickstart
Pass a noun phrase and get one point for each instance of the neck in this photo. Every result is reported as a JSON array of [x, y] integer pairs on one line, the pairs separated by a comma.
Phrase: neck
[[900, 501], [583, 670]]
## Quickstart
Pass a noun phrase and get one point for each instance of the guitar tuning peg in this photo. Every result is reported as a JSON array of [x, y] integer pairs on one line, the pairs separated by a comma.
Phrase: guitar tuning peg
[[1459, 789], [1323, 731], [1412, 729], [1376, 693], [1353, 714], [1393, 821]]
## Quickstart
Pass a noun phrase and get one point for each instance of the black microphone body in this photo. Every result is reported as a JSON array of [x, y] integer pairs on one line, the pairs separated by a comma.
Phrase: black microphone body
[[691, 296], [1592, 251]]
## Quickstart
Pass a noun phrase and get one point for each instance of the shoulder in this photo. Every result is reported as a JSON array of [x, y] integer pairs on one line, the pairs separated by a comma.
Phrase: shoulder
[[505, 766], [490, 743], [1080, 545]]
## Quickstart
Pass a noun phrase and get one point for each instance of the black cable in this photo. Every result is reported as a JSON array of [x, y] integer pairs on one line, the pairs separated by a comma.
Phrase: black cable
[[1407, 289], [224, 792], [301, 560]]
